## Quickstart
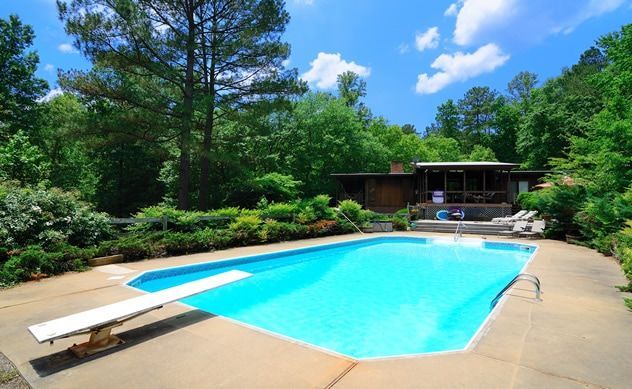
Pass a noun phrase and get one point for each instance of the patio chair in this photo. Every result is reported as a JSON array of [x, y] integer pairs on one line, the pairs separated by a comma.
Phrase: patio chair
[[537, 229], [508, 219], [529, 215], [518, 227]]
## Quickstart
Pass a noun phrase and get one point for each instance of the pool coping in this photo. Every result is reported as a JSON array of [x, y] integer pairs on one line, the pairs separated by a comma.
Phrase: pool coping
[[474, 339]]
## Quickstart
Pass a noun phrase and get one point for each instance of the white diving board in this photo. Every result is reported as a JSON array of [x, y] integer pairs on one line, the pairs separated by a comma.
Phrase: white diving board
[[100, 321]]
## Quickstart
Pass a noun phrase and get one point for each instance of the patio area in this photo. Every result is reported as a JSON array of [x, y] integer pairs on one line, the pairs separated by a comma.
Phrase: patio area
[[579, 336]]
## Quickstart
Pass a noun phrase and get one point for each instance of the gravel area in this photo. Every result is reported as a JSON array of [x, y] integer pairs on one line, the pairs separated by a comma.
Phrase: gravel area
[[10, 378]]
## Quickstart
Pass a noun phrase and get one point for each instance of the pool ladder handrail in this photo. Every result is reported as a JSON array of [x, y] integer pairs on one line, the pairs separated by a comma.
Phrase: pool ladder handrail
[[520, 277], [458, 233]]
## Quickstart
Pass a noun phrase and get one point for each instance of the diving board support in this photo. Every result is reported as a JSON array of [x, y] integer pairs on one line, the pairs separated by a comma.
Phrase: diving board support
[[99, 322]]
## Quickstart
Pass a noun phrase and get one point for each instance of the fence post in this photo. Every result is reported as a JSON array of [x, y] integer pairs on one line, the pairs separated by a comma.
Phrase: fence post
[[164, 220]]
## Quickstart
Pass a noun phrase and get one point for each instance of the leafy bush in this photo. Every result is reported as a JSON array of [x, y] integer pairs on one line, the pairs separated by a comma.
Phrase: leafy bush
[[320, 205], [352, 210], [562, 202], [307, 215], [400, 224], [279, 211], [182, 221], [245, 229], [600, 217], [48, 218], [33, 261], [135, 247], [622, 247], [528, 200]]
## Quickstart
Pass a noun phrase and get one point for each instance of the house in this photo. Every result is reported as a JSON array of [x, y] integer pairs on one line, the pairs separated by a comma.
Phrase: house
[[483, 190]]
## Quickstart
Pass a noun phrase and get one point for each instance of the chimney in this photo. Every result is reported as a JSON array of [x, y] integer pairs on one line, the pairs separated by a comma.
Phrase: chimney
[[397, 167]]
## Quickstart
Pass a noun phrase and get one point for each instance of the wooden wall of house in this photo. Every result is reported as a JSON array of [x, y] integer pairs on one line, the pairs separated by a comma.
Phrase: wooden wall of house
[[389, 194]]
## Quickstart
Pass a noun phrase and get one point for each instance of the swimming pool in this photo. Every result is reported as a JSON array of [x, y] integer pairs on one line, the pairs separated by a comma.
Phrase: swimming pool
[[367, 298]]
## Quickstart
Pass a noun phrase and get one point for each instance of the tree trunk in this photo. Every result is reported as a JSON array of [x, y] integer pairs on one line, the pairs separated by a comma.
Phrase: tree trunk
[[187, 117]]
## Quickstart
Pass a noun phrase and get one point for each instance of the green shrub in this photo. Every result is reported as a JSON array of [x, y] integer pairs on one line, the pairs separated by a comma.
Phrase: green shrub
[[182, 221], [33, 260], [528, 200], [306, 215], [47, 218], [135, 247], [280, 211], [622, 247], [600, 217], [321, 208], [400, 224], [270, 231], [245, 229], [352, 210]]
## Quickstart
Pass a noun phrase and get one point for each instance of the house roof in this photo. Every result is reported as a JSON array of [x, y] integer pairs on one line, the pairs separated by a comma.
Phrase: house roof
[[371, 174], [465, 165]]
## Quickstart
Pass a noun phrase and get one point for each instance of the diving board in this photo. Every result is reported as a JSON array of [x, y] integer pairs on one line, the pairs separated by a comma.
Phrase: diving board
[[100, 321]]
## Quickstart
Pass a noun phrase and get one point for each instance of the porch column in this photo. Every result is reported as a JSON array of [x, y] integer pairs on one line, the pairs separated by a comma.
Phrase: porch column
[[445, 186], [484, 194], [464, 188]]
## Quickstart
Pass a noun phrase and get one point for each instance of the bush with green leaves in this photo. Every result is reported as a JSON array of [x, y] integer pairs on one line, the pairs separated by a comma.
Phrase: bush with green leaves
[[48, 217], [352, 210], [562, 202], [280, 211], [34, 261], [601, 217], [245, 229]]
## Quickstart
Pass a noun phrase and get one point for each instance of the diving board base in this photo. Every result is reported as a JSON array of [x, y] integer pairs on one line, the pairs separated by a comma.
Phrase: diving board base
[[100, 340]]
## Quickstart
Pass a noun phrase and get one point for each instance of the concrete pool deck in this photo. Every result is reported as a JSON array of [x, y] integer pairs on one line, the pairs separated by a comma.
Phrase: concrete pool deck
[[579, 336]]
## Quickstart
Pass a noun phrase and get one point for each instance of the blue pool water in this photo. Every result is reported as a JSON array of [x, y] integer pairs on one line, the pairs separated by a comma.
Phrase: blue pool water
[[375, 297]]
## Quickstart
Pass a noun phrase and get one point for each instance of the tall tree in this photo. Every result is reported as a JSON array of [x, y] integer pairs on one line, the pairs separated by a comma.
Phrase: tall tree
[[521, 86], [448, 120], [240, 55], [150, 41], [19, 87], [478, 109]]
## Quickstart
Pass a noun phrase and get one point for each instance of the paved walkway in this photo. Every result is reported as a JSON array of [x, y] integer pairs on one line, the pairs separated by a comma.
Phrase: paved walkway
[[579, 336]]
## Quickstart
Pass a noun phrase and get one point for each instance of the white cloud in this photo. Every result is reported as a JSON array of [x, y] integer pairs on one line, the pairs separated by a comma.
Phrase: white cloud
[[509, 21], [326, 67], [452, 10], [67, 48], [403, 48], [594, 8], [459, 67], [304, 2], [477, 15], [286, 62], [50, 95], [428, 39], [49, 67]]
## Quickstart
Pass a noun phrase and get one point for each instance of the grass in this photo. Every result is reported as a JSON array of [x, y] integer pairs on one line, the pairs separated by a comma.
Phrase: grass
[[7, 376], [628, 303]]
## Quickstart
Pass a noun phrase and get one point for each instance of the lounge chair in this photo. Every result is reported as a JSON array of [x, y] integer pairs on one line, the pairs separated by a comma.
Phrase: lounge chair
[[529, 215], [537, 229], [518, 227], [509, 219], [100, 321]]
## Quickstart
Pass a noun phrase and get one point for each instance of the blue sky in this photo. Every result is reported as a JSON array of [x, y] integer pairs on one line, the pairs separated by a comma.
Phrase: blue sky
[[413, 54]]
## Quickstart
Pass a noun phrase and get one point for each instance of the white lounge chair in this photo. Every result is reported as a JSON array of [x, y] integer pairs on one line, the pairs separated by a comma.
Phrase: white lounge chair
[[518, 227], [508, 219], [537, 229], [529, 215], [100, 321]]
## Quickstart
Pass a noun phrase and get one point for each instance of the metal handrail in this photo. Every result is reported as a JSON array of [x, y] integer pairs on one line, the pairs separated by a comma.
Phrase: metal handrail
[[458, 233], [520, 277]]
